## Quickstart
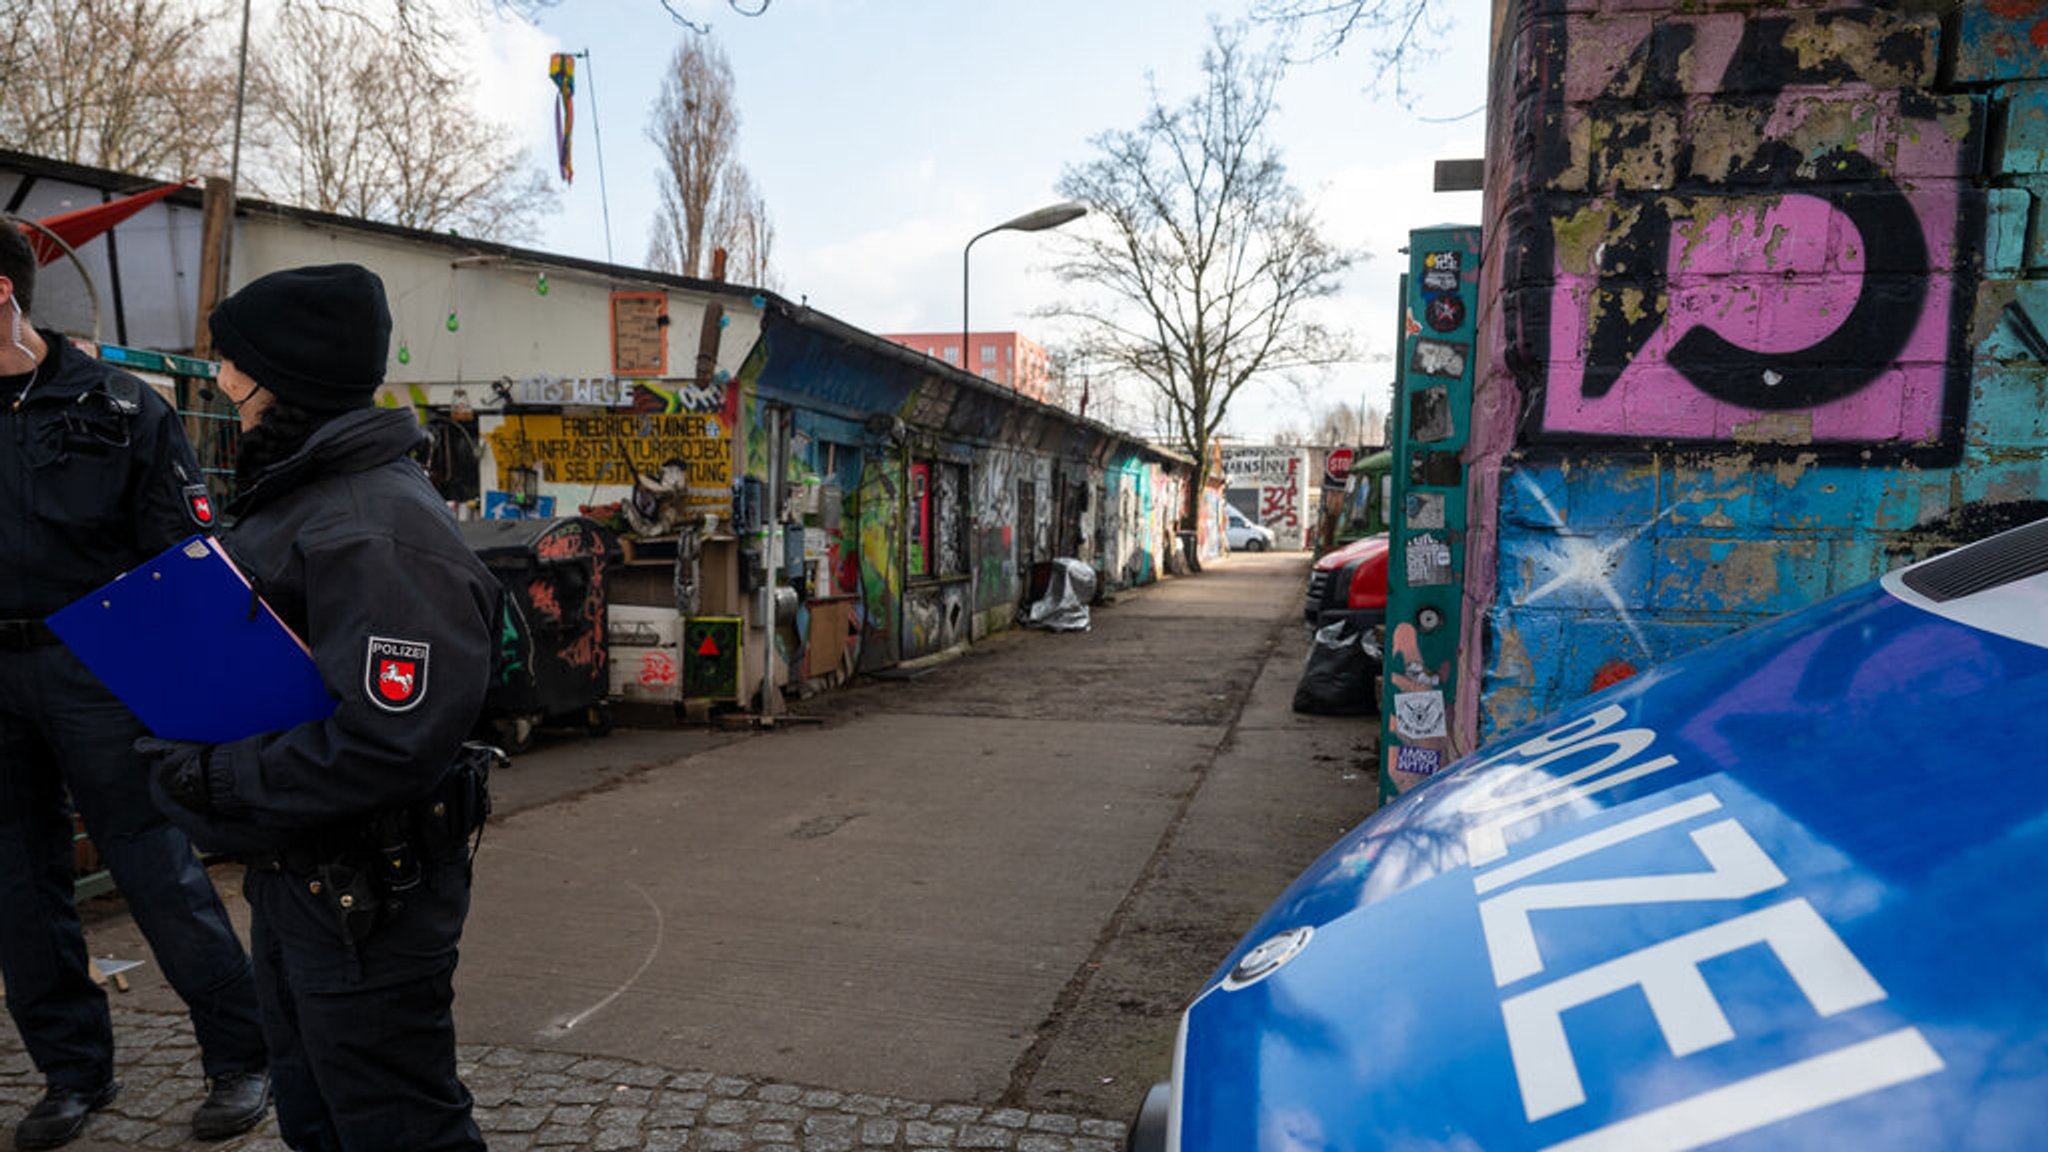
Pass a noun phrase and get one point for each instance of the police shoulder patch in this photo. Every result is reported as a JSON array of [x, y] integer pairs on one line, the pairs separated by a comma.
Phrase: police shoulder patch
[[198, 505], [395, 673]]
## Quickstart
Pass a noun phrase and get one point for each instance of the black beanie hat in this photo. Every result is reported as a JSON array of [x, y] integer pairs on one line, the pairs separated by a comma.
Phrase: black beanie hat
[[317, 337]]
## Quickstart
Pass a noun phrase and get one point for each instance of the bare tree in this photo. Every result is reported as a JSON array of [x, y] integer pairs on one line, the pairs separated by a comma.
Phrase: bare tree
[[697, 129], [129, 85], [528, 9], [744, 230], [353, 115], [707, 198], [1341, 425], [1210, 254], [1404, 34]]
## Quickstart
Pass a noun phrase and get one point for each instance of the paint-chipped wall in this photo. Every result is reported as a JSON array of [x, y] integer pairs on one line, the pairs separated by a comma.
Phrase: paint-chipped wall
[[1759, 320]]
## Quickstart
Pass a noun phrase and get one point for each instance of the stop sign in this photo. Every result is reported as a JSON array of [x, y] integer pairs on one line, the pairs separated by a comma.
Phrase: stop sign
[[1337, 466]]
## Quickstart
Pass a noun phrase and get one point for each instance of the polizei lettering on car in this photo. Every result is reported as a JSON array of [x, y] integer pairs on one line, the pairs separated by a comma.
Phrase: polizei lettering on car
[[1777, 894]]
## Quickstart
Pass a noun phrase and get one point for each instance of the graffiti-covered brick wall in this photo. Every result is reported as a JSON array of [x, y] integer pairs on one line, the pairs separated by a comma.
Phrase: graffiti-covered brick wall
[[1758, 319]]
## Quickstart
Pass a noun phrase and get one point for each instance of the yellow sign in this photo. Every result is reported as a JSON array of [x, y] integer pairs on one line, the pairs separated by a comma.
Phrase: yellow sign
[[617, 448]]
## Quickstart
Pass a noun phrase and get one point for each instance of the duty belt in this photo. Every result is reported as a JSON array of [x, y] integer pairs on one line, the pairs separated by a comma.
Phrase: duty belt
[[22, 635], [434, 830]]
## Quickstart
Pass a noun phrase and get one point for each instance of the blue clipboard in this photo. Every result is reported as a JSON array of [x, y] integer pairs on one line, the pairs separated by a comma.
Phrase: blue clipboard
[[186, 644]]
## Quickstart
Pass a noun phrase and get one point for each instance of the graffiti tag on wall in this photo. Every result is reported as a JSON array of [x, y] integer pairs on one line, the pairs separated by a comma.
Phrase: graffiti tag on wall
[[1279, 503], [619, 392], [1254, 467], [1780, 263]]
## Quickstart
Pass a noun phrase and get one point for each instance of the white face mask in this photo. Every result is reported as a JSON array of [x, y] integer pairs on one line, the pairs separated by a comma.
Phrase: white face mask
[[14, 335]]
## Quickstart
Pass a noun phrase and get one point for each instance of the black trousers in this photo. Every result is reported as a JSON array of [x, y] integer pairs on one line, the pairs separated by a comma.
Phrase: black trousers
[[362, 1034], [60, 727]]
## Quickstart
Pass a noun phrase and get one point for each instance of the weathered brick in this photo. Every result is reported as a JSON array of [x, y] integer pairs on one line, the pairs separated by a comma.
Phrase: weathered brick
[[1995, 43], [1766, 576], [2005, 231]]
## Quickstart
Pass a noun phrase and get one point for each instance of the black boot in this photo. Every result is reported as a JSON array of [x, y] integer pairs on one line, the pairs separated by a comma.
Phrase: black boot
[[234, 1104], [60, 1115]]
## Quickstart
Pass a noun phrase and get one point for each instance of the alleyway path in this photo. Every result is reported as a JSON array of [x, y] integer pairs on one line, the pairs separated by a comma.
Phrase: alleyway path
[[956, 911]]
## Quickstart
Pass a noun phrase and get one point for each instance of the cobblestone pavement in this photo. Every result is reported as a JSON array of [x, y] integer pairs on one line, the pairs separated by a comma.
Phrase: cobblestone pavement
[[530, 1099]]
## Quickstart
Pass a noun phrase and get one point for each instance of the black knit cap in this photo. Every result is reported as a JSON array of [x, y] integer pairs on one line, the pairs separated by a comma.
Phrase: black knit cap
[[317, 337]]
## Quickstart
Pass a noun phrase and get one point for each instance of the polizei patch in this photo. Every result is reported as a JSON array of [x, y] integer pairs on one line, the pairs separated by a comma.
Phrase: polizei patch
[[199, 504], [395, 673]]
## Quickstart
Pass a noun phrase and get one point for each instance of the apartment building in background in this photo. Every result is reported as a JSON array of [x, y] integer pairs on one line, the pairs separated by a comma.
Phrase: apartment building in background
[[1004, 358]]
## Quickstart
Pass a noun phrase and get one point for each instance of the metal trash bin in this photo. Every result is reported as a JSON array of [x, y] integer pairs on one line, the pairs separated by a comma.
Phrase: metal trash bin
[[553, 652]]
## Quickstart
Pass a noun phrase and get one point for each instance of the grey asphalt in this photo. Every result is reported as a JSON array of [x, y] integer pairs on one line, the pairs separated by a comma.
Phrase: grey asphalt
[[960, 910]]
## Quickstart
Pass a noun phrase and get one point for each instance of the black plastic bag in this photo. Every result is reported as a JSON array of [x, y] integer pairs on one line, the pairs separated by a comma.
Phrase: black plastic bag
[[1343, 662]]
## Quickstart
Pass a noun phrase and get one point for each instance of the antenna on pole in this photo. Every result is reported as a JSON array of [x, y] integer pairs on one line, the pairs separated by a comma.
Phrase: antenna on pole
[[597, 130]]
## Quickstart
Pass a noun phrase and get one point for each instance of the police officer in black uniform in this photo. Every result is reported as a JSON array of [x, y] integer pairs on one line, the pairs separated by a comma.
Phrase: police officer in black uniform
[[95, 477], [355, 828]]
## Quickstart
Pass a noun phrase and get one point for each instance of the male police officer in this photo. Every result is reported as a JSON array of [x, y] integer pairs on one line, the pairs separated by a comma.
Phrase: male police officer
[[354, 826], [95, 476]]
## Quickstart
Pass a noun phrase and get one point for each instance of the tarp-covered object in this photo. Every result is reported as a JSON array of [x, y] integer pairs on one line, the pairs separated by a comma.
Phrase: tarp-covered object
[[1064, 606], [1343, 662]]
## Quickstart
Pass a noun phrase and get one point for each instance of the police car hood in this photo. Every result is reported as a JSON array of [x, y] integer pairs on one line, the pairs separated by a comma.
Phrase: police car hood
[[1783, 893]]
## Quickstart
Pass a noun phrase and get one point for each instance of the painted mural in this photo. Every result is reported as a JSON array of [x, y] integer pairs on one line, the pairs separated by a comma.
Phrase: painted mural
[[881, 573], [1758, 325], [997, 581], [1758, 229]]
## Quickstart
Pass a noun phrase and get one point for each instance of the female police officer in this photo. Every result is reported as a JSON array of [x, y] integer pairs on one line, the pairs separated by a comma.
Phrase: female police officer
[[354, 827]]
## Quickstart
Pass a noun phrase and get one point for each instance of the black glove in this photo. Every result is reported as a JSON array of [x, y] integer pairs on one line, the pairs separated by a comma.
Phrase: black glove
[[178, 769]]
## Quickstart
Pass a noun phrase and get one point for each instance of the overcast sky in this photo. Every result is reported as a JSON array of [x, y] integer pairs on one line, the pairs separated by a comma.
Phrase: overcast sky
[[883, 134]]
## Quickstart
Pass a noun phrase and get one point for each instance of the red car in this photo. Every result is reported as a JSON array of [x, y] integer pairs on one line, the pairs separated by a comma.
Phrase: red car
[[1350, 584]]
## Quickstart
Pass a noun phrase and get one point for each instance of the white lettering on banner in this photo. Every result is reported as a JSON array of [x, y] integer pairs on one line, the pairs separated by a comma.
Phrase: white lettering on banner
[[1737, 868], [1487, 842], [1685, 1008]]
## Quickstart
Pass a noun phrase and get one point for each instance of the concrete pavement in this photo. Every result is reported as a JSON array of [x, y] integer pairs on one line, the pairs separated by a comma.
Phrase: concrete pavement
[[962, 910]]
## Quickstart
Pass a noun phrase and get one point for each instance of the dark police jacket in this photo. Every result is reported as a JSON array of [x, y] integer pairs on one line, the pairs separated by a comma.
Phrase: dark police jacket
[[95, 478], [354, 549]]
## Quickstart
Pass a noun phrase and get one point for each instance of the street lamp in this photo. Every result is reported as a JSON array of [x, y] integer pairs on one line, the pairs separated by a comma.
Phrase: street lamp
[[1038, 221]]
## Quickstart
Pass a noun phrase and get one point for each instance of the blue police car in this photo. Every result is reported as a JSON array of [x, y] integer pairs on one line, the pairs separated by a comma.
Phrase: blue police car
[[1783, 893]]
